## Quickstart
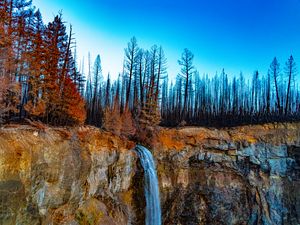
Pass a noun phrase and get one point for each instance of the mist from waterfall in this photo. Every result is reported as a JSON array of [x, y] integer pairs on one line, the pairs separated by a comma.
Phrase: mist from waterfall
[[151, 188]]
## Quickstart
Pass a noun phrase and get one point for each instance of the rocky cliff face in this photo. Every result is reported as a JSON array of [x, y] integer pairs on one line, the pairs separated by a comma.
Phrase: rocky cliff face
[[58, 176], [244, 175]]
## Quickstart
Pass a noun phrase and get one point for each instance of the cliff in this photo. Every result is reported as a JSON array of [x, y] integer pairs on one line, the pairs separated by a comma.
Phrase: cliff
[[242, 175], [60, 176]]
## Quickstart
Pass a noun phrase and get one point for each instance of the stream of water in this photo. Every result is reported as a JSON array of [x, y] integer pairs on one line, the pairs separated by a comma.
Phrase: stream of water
[[151, 188]]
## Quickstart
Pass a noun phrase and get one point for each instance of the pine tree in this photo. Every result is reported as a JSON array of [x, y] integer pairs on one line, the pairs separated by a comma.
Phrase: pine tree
[[290, 72], [36, 57], [56, 44], [130, 62], [275, 70], [96, 106], [73, 105], [187, 70]]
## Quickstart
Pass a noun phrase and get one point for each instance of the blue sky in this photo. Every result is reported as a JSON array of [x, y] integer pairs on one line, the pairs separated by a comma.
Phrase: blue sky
[[238, 35]]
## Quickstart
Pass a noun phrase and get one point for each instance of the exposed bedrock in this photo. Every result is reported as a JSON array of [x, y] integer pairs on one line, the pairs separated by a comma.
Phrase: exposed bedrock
[[243, 175]]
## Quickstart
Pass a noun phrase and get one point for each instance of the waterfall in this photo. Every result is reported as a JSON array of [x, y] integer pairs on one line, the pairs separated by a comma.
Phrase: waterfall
[[153, 212]]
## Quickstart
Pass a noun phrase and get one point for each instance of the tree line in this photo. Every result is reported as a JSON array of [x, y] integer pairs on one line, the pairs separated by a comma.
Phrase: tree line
[[220, 101], [40, 80]]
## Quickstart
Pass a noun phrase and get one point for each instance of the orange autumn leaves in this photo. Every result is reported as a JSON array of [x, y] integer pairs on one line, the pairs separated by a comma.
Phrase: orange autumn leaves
[[74, 104], [67, 106]]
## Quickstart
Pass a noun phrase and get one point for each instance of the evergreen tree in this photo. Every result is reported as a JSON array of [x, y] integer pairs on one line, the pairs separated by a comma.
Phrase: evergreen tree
[[130, 62], [275, 70], [290, 72], [187, 70]]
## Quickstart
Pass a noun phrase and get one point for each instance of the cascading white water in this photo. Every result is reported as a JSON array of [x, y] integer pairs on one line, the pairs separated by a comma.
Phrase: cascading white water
[[153, 211]]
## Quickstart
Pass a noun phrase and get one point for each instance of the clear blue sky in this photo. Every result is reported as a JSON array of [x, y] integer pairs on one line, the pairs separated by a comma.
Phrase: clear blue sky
[[238, 35]]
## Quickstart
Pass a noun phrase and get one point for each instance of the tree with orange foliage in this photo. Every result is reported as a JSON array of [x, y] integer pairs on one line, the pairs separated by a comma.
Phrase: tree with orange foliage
[[112, 120], [112, 116], [128, 124], [59, 96], [36, 58], [72, 105], [56, 41]]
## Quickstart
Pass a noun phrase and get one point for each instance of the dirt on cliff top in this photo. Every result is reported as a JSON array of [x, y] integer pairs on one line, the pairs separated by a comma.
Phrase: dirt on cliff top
[[273, 133], [167, 138], [85, 135]]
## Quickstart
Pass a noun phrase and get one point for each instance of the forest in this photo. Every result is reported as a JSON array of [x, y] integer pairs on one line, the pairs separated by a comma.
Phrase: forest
[[40, 80]]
